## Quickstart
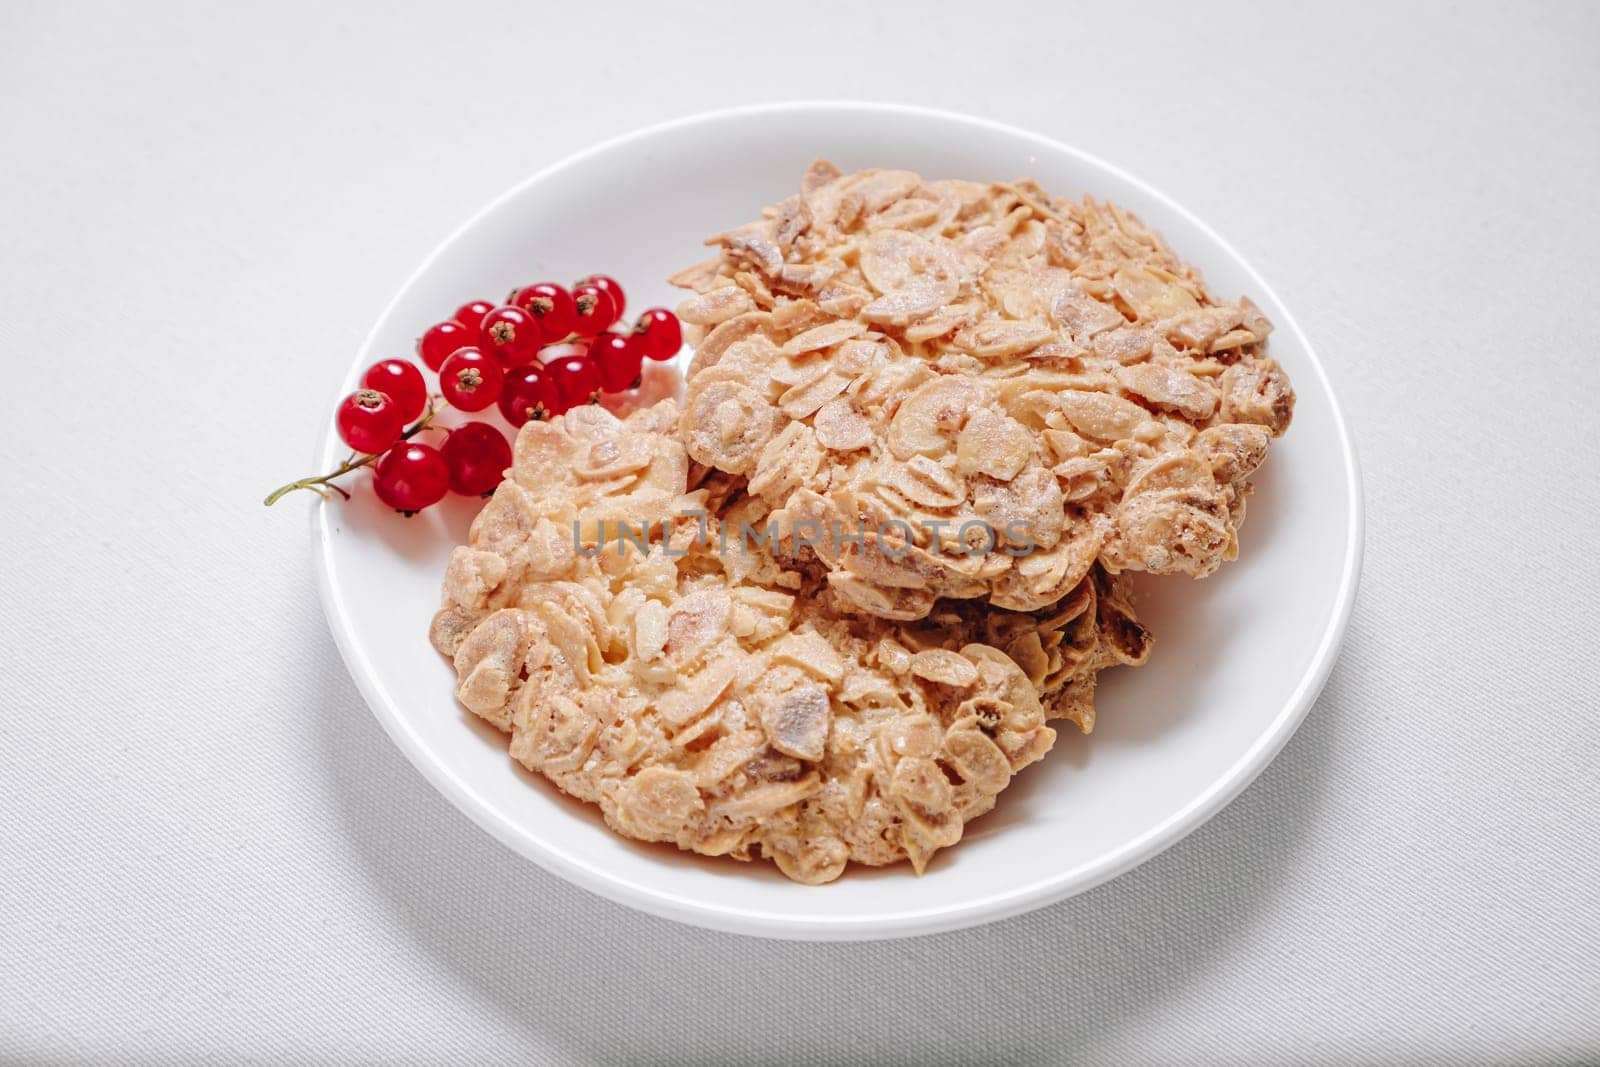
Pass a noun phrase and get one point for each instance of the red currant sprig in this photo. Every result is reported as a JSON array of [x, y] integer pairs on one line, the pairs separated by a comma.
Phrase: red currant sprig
[[486, 356]]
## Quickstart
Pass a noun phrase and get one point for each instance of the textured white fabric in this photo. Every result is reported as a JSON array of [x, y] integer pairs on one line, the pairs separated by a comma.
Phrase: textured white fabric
[[208, 848]]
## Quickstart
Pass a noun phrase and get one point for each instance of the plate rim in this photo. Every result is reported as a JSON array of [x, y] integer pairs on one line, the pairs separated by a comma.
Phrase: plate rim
[[911, 922]]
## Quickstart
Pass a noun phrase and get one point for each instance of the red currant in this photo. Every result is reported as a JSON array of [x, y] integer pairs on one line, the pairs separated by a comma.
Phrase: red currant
[[511, 335], [369, 421], [594, 310], [618, 358], [659, 333], [442, 339], [477, 455], [411, 477], [403, 382], [609, 286], [529, 394], [551, 305], [470, 380], [577, 380], [471, 314]]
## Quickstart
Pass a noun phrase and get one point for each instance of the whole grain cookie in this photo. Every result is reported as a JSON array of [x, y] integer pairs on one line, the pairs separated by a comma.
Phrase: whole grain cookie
[[725, 700], [976, 390]]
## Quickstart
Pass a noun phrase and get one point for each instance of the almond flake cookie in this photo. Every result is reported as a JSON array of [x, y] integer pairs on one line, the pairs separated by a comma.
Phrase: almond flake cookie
[[723, 701], [986, 389]]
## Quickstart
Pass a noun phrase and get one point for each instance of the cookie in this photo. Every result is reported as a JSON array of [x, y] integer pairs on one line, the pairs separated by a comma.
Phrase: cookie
[[976, 390], [728, 701]]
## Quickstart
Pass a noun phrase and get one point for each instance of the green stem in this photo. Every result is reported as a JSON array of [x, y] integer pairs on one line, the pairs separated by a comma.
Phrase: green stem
[[354, 462]]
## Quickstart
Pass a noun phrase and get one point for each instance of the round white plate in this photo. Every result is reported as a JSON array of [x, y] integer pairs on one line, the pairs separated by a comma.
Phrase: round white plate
[[1238, 659]]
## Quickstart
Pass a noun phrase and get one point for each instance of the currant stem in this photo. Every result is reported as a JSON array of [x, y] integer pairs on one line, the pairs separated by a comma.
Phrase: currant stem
[[321, 483]]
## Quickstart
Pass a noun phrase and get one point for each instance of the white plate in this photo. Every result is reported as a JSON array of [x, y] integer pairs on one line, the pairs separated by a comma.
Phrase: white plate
[[1238, 659]]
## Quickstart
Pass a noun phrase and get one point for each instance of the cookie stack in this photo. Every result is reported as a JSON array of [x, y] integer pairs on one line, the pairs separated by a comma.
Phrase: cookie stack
[[827, 609]]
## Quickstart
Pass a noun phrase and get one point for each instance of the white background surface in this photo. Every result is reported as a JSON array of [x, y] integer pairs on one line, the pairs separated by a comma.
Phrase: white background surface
[[208, 848]]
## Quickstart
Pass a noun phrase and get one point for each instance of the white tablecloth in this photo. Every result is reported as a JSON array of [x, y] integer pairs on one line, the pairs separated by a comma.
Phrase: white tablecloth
[[208, 847]]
